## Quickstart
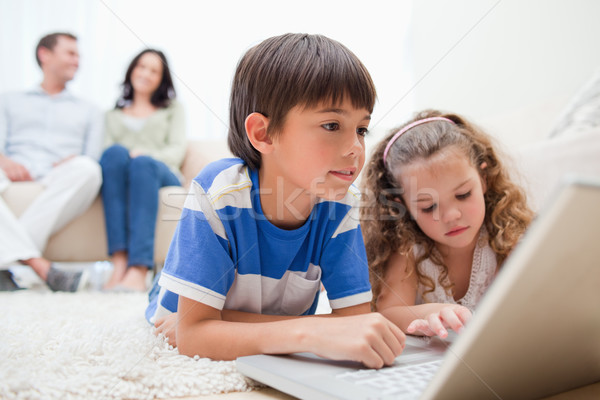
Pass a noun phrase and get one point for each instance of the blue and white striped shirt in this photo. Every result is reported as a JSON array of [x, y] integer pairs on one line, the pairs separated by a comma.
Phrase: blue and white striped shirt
[[227, 255]]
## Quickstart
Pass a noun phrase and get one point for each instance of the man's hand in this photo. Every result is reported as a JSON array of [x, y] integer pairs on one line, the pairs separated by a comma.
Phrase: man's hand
[[14, 171], [56, 164], [453, 316]]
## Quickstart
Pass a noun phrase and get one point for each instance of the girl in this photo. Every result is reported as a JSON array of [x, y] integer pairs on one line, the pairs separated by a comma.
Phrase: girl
[[145, 137], [441, 217]]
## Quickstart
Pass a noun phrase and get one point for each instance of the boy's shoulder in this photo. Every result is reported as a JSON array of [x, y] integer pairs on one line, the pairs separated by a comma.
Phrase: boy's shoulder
[[353, 194], [351, 199], [222, 175]]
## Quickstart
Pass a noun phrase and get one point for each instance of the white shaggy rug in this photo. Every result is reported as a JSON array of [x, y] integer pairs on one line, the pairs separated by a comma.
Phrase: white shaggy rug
[[94, 345]]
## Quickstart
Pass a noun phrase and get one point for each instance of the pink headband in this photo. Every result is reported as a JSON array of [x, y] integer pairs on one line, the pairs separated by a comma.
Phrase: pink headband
[[408, 127]]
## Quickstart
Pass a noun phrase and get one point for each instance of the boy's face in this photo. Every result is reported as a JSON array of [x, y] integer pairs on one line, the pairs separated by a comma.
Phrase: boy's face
[[321, 150]]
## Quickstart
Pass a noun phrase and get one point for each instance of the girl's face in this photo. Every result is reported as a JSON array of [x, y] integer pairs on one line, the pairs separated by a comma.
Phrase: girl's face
[[147, 74], [444, 194]]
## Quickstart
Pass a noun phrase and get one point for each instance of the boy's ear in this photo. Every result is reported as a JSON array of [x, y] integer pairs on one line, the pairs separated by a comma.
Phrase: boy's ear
[[256, 128]]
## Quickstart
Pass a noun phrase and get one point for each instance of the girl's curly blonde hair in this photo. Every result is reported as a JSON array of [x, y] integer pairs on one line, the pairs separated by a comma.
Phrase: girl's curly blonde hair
[[388, 226]]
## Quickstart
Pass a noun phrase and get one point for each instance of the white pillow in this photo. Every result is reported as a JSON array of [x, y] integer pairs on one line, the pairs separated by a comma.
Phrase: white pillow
[[543, 165], [582, 112]]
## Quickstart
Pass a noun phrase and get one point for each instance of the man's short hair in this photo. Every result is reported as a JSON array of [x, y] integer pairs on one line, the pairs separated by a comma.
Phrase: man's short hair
[[292, 70], [49, 41]]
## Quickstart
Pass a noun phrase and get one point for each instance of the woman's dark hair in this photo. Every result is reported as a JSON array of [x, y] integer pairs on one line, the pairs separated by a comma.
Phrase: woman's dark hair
[[162, 96]]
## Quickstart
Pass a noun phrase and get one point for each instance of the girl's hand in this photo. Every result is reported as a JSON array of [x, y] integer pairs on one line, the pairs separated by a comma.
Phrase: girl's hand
[[453, 316]]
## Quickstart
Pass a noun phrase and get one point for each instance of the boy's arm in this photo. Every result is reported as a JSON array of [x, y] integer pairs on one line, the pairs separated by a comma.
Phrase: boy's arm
[[397, 302], [370, 338], [241, 316]]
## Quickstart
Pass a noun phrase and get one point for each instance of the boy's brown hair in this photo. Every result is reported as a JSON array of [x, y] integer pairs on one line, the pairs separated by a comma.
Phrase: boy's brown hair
[[292, 70]]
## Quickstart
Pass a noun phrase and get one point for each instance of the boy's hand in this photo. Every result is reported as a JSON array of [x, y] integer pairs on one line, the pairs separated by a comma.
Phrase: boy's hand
[[453, 316], [167, 325], [370, 338]]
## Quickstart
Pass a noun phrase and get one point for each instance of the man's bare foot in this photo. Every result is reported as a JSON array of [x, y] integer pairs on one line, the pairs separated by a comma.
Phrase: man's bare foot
[[40, 265]]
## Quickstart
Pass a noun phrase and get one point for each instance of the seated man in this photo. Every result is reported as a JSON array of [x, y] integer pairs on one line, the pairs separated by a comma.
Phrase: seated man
[[49, 136]]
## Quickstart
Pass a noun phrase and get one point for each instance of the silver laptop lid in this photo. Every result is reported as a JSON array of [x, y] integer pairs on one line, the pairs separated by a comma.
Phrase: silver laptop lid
[[537, 330]]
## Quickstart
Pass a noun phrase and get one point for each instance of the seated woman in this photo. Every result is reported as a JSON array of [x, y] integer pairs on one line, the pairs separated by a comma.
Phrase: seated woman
[[145, 140]]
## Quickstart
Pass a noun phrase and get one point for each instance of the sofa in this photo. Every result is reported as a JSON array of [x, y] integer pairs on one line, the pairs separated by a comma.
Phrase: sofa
[[572, 147], [84, 238]]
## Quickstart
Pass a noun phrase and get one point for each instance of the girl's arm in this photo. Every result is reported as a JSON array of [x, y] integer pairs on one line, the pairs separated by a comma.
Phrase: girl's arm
[[397, 302], [370, 338]]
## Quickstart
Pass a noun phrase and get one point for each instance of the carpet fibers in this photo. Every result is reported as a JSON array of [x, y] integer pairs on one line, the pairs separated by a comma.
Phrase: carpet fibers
[[94, 345]]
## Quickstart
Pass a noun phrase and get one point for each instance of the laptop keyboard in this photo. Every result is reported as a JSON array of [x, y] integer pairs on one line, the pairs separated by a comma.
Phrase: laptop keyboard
[[395, 380]]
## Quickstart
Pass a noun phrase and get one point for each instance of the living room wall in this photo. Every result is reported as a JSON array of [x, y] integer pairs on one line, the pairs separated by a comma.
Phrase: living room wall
[[510, 65]]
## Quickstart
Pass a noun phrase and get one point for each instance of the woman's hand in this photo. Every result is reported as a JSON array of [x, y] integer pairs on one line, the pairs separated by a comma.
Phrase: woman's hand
[[135, 153], [452, 316]]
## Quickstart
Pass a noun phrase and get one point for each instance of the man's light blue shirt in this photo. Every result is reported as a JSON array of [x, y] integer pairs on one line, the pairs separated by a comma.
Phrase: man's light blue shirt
[[39, 130]]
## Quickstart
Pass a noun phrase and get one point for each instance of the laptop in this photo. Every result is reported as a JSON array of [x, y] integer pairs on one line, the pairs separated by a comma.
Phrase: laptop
[[535, 333]]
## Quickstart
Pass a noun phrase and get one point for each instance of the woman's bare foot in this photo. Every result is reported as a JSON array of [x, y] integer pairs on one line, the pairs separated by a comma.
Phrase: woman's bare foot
[[119, 261], [135, 278]]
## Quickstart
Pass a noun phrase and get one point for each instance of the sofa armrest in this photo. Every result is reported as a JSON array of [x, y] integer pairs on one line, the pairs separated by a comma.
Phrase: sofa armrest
[[200, 153], [83, 239]]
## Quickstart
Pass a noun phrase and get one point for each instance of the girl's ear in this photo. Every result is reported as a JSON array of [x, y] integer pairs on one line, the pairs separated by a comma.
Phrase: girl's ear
[[483, 176], [256, 128]]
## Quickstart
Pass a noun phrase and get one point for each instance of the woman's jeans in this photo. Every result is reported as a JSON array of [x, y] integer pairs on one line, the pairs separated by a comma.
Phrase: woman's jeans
[[130, 197]]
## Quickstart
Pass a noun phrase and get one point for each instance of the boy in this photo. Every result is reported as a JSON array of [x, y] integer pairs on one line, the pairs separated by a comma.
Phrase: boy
[[260, 232]]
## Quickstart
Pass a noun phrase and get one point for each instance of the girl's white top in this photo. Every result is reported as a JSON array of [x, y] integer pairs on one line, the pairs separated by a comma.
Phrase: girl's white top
[[483, 271]]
